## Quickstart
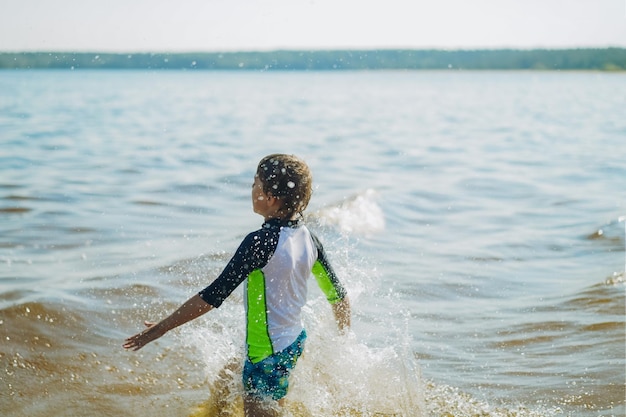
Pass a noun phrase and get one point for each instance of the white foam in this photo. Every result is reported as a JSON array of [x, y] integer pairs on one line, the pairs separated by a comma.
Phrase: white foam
[[340, 376], [337, 375], [360, 214]]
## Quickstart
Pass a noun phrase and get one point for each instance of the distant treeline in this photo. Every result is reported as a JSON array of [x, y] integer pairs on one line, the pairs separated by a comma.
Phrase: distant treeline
[[606, 59]]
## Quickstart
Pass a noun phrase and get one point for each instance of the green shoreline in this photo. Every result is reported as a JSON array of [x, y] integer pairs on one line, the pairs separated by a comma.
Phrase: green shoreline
[[591, 59]]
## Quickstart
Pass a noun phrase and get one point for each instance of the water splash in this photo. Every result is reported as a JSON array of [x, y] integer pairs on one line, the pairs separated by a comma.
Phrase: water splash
[[446, 401], [359, 214], [337, 376]]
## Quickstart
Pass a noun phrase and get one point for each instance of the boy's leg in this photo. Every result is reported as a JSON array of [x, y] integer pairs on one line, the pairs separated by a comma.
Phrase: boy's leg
[[224, 385], [255, 407]]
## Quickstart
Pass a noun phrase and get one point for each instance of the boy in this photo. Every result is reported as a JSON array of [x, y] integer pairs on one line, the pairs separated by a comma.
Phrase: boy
[[274, 263]]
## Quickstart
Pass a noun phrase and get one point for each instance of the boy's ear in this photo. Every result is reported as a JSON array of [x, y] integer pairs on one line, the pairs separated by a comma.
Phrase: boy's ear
[[272, 201]]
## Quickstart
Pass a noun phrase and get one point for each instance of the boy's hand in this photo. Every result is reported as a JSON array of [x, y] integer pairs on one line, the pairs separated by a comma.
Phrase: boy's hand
[[191, 309], [139, 340]]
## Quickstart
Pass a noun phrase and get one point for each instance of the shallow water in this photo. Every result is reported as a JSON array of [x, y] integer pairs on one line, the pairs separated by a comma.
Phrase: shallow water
[[477, 220]]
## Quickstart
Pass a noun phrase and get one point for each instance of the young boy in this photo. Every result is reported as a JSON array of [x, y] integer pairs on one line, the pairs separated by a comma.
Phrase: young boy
[[274, 264]]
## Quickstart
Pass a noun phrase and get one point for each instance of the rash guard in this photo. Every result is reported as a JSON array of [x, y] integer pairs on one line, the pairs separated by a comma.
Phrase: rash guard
[[275, 263]]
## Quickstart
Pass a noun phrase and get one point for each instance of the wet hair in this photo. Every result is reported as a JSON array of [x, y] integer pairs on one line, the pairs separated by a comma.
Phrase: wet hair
[[287, 178]]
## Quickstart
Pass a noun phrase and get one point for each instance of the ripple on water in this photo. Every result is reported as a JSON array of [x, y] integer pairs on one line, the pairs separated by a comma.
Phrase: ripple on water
[[14, 210]]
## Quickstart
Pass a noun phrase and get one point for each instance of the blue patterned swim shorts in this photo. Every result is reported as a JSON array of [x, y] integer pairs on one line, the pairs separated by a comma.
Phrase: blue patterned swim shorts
[[269, 378]]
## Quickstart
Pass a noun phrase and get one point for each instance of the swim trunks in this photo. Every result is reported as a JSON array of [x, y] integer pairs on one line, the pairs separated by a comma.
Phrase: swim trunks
[[269, 378]]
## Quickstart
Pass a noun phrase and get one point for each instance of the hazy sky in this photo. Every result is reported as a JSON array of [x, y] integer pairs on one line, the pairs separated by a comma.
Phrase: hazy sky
[[221, 25]]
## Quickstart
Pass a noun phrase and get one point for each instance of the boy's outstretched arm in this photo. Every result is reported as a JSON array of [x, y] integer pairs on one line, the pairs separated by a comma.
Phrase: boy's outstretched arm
[[191, 309], [341, 310]]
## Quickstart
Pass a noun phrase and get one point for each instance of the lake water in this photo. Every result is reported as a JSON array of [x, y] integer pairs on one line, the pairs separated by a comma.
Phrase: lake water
[[476, 218]]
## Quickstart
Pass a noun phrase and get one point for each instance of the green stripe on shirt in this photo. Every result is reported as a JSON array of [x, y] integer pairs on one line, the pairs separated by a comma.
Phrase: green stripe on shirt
[[258, 338], [325, 283]]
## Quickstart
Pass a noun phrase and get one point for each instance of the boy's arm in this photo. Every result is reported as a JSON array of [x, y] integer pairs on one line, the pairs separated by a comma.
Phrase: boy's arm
[[331, 287], [191, 309], [341, 310]]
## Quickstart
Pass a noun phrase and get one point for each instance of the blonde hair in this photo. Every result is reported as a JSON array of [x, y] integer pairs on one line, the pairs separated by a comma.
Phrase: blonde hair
[[287, 178]]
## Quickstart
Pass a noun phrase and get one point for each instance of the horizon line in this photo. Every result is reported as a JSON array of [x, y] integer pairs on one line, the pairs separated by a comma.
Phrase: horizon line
[[373, 49]]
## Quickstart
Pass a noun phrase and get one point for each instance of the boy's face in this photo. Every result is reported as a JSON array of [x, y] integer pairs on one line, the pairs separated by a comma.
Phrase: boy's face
[[261, 201]]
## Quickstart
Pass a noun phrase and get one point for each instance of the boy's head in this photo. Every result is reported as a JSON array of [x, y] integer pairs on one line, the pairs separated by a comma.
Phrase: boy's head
[[287, 178]]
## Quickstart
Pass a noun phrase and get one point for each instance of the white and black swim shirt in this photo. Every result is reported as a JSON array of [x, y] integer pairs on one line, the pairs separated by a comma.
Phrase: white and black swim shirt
[[277, 261]]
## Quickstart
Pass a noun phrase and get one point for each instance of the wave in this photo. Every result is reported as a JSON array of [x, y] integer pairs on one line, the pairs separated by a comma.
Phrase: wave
[[612, 231], [73, 349], [359, 214], [603, 298], [15, 210]]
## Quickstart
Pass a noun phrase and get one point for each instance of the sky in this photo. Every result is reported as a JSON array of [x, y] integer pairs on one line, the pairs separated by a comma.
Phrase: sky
[[247, 25]]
